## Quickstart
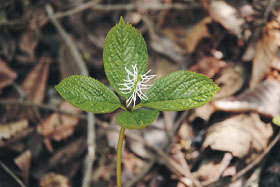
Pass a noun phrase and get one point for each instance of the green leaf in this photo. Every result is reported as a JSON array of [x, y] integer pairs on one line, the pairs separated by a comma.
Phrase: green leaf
[[124, 47], [137, 119], [88, 94], [181, 90], [276, 120]]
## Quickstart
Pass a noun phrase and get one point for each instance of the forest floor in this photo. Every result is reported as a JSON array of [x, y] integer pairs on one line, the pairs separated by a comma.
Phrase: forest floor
[[231, 141]]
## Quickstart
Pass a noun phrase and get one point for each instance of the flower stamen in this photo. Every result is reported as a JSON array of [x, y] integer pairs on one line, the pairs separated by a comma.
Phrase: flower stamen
[[135, 83]]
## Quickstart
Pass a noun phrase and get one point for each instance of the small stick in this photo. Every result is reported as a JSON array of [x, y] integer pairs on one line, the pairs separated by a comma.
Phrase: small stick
[[90, 117], [256, 161], [12, 174]]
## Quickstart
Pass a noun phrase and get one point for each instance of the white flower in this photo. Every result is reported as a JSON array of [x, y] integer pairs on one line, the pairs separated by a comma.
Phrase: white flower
[[135, 83]]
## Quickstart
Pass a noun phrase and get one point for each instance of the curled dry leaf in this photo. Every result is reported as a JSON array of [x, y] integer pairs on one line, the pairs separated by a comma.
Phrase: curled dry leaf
[[34, 87], [226, 15], [276, 61], [58, 126], [263, 99], [7, 131], [266, 50], [169, 48], [23, 162], [241, 135], [204, 112], [67, 64], [27, 45], [68, 153], [231, 80], [208, 66], [54, 179], [198, 32], [163, 44], [7, 75], [35, 83]]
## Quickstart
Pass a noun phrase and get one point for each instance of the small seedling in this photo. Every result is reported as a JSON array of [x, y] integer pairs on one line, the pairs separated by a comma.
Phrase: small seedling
[[276, 120], [125, 61]]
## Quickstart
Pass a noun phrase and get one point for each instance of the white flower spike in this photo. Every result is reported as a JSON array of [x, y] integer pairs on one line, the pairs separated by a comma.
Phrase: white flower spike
[[135, 83]]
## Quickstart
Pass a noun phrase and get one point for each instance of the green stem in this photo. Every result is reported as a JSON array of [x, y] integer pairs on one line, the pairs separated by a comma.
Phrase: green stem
[[119, 157]]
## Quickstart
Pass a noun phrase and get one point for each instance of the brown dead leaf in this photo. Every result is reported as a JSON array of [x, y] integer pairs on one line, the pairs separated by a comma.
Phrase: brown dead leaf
[[34, 84], [208, 66], [273, 75], [27, 45], [23, 162], [160, 64], [266, 50], [204, 112], [55, 180], [7, 75], [58, 126], [198, 32], [231, 80], [276, 61], [34, 87], [165, 46], [241, 135], [68, 153], [226, 15], [208, 169], [67, 64], [7, 131], [263, 99]]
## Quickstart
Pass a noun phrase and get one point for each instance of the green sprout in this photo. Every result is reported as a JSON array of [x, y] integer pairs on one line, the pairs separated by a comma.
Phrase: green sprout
[[276, 120], [125, 61]]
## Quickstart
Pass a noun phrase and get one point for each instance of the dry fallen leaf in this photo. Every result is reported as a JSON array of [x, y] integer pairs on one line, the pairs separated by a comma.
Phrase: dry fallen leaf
[[231, 80], [266, 50], [208, 66], [7, 75], [34, 87], [58, 126], [68, 153], [34, 84], [159, 66], [263, 99], [27, 45], [165, 46], [208, 169], [226, 15], [242, 135], [9, 130], [54, 180], [198, 32], [23, 162], [204, 112], [67, 64]]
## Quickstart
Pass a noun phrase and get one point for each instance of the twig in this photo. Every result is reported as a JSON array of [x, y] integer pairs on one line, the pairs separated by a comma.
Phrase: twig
[[186, 167], [145, 6], [177, 168], [144, 171], [256, 161], [249, 167], [80, 8], [12, 174], [90, 117], [41, 106], [130, 135], [127, 7], [91, 150], [68, 41], [269, 7]]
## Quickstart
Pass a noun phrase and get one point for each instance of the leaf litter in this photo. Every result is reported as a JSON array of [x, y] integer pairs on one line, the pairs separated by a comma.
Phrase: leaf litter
[[216, 140]]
